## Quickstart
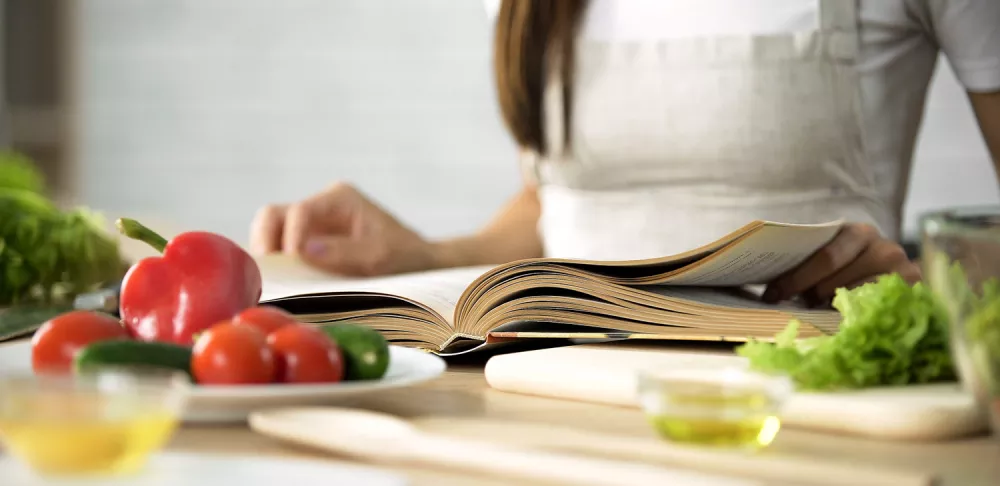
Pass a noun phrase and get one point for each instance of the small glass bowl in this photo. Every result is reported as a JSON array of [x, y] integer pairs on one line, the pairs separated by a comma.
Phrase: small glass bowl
[[106, 421], [721, 407]]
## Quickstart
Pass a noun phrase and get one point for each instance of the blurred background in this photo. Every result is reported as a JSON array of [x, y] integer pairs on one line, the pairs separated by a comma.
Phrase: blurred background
[[200, 111]]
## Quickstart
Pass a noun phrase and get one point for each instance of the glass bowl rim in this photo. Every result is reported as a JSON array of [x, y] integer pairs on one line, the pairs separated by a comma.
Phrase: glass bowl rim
[[977, 219], [106, 380], [721, 380]]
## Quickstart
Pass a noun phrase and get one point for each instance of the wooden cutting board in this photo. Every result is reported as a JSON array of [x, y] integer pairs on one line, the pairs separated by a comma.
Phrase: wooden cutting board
[[606, 373]]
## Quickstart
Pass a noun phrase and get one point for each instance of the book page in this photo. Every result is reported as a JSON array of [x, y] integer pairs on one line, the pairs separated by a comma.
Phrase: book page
[[752, 254], [758, 257], [437, 290], [284, 275], [730, 298]]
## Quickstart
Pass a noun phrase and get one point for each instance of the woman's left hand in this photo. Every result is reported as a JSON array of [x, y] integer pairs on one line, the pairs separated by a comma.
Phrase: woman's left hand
[[856, 256]]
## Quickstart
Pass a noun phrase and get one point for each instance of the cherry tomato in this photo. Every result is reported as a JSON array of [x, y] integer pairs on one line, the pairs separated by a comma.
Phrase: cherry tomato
[[266, 318], [229, 354], [304, 354], [56, 343]]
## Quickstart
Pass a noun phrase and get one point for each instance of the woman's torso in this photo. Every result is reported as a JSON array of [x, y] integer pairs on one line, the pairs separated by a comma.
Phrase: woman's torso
[[691, 118]]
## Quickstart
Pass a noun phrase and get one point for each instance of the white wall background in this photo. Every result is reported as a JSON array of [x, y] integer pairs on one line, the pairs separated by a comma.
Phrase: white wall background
[[202, 110], [952, 165]]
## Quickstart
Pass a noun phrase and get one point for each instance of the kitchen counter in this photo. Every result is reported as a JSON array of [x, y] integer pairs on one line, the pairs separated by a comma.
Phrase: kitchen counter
[[462, 392]]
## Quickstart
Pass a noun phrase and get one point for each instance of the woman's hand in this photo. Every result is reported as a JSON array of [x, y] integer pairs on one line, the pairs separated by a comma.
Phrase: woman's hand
[[340, 231], [857, 255]]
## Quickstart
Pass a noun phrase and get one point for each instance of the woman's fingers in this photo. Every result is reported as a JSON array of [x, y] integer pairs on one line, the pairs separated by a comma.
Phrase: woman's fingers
[[298, 219], [856, 256], [341, 231], [347, 256], [909, 271], [879, 258], [267, 228], [328, 213], [846, 247]]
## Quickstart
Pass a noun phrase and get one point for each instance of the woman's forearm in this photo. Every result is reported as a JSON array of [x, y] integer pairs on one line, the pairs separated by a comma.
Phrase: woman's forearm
[[987, 109], [511, 235]]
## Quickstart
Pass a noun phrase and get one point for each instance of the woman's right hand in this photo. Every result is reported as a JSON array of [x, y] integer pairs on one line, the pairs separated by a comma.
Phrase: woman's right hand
[[341, 231]]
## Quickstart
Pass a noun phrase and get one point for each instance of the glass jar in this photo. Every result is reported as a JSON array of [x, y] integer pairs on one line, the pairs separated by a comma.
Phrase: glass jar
[[961, 265]]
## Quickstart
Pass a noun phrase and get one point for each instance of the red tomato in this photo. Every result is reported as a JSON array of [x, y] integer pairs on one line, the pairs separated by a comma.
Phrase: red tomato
[[266, 318], [228, 354], [56, 343], [305, 355]]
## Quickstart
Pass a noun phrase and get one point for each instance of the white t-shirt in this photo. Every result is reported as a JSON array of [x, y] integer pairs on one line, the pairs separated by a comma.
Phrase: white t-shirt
[[967, 31], [900, 41]]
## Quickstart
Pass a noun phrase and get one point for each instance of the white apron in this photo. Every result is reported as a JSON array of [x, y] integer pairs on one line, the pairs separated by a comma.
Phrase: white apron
[[677, 142]]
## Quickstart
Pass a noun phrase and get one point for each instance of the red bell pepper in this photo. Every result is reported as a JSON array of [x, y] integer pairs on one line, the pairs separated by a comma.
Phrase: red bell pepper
[[201, 279]]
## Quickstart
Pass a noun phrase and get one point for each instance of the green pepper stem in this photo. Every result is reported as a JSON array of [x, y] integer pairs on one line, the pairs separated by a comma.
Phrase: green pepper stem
[[135, 230]]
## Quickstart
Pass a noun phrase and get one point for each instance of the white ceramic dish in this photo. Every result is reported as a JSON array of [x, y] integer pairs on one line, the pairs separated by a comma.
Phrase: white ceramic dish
[[407, 367], [201, 469]]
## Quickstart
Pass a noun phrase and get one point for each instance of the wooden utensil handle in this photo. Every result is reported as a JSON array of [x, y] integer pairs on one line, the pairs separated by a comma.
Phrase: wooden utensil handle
[[390, 443], [767, 465], [554, 467]]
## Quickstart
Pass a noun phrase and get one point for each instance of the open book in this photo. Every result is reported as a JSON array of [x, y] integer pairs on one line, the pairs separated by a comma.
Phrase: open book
[[704, 294]]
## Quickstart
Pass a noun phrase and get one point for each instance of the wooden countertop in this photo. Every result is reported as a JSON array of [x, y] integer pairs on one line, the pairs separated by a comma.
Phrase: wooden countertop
[[462, 392]]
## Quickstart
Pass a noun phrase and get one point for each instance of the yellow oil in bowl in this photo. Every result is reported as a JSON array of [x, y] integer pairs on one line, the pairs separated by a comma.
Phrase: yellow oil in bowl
[[729, 408], [102, 425], [87, 446]]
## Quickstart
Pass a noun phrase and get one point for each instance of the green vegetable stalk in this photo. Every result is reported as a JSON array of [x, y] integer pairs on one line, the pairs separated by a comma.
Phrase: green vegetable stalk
[[47, 254], [137, 231], [892, 333]]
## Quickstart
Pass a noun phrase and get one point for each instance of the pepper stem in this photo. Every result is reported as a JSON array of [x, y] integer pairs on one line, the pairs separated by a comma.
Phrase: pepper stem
[[135, 230]]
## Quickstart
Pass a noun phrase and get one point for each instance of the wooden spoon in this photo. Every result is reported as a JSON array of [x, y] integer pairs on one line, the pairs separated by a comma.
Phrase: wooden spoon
[[763, 465], [382, 438]]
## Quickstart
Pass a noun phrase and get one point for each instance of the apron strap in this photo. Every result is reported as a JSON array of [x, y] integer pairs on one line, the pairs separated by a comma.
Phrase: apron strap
[[553, 124], [839, 18], [530, 170], [553, 100]]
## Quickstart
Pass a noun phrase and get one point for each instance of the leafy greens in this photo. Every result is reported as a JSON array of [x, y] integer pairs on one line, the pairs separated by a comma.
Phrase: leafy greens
[[47, 253], [892, 333]]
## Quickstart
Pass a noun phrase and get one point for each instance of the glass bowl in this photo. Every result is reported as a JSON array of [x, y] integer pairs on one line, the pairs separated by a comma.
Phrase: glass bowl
[[721, 407], [106, 421], [961, 266]]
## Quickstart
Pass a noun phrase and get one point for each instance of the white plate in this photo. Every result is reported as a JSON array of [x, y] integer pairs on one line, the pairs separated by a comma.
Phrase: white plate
[[407, 366], [201, 469]]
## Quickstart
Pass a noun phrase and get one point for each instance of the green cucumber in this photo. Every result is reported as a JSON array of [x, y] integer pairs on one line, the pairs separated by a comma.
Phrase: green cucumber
[[120, 353], [365, 350]]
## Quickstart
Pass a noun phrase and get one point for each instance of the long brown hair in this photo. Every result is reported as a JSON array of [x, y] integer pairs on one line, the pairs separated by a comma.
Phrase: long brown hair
[[532, 39]]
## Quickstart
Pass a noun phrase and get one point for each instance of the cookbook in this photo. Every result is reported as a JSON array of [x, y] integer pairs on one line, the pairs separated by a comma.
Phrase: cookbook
[[709, 293]]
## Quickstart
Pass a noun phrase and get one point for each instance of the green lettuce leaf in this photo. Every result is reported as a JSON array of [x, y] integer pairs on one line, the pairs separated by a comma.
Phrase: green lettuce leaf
[[18, 172], [48, 254], [891, 333]]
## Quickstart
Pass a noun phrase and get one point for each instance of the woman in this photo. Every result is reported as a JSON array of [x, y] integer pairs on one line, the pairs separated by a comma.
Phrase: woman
[[651, 127]]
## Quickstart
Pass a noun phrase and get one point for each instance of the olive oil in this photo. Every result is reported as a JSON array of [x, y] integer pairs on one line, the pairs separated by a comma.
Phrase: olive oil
[[752, 432], [70, 447], [710, 416]]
